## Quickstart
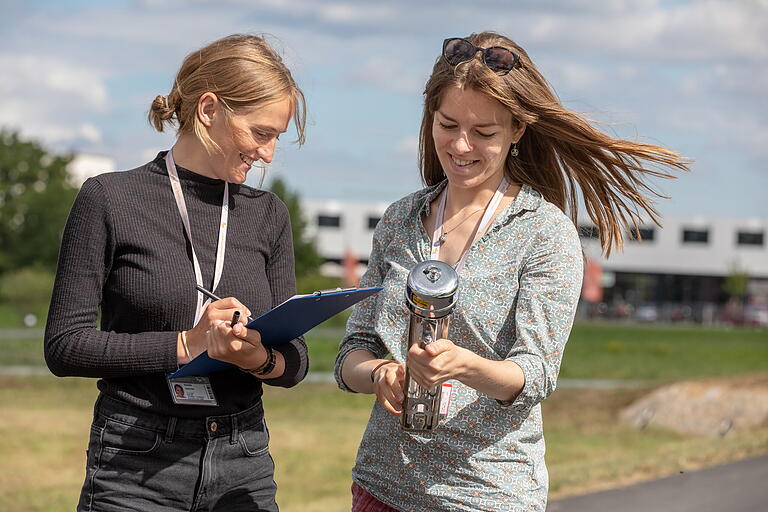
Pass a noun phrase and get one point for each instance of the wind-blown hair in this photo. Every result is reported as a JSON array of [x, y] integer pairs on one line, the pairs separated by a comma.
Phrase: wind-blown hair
[[559, 150], [243, 71]]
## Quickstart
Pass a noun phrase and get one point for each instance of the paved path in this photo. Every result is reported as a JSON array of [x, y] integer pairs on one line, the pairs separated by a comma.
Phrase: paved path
[[737, 487]]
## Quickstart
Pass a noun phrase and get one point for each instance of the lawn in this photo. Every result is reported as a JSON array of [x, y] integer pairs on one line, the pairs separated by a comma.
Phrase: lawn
[[633, 352], [594, 351], [662, 353], [315, 428]]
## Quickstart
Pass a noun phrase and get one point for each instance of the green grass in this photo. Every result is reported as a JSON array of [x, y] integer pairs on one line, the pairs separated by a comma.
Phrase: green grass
[[322, 352], [315, 429], [588, 450], [22, 351], [613, 351], [9, 317], [610, 351], [594, 351]]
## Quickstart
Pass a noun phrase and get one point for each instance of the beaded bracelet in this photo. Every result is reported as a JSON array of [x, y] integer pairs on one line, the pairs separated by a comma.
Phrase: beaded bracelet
[[267, 367]]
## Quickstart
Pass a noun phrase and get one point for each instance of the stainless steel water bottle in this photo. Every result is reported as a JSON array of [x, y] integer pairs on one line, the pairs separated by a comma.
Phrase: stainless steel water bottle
[[430, 295]]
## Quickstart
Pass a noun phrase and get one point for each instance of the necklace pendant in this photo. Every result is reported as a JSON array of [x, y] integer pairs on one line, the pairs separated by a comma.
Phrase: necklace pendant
[[440, 241]]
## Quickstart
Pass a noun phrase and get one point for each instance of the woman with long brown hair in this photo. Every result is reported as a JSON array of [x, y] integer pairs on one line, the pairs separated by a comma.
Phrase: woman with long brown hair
[[504, 163], [135, 245]]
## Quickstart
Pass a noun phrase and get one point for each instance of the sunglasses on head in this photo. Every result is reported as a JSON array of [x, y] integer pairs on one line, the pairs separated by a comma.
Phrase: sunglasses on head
[[501, 60]]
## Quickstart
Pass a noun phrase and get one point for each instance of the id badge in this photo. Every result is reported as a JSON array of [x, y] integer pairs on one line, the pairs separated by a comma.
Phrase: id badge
[[192, 391], [445, 398]]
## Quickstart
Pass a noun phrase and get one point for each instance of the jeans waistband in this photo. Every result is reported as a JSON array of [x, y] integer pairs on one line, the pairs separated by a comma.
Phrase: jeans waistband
[[202, 427]]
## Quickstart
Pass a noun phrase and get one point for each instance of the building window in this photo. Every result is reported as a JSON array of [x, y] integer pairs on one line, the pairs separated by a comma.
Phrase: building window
[[589, 232], [750, 238], [329, 221], [696, 236], [642, 234], [373, 221]]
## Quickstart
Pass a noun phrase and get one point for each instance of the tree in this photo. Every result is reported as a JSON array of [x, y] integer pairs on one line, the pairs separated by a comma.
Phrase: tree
[[35, 199], [736, 284], [305, 253]]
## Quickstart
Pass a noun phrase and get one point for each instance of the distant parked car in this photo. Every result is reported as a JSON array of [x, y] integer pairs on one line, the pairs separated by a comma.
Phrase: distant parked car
[[756, 316], [647, 313]]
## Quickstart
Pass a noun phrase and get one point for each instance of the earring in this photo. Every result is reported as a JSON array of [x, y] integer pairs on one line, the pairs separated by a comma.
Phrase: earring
[[513, 150]]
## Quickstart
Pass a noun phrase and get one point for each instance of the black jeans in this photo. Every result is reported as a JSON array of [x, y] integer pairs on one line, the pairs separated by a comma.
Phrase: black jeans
[[147, 462]]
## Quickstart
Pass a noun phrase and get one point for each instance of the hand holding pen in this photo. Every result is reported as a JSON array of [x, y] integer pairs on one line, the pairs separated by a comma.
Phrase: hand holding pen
[[221, 332], [212, 296], [200, 337]]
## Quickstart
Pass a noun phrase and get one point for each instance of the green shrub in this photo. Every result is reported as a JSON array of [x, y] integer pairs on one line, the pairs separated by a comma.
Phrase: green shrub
[[313, 282], [27, 290]]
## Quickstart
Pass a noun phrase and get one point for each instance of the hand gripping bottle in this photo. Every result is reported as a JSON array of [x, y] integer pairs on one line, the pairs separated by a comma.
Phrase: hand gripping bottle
[[430, 296]]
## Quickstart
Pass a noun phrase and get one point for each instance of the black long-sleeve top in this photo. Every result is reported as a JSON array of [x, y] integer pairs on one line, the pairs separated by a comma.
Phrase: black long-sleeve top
[[124, 254]]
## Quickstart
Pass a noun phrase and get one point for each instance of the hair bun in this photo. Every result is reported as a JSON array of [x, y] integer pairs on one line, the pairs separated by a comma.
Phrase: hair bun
[[160, 103], [160, 112]]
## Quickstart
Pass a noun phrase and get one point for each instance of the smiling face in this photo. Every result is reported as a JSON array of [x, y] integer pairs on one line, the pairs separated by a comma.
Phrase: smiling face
[[472, 135], [247, 136]]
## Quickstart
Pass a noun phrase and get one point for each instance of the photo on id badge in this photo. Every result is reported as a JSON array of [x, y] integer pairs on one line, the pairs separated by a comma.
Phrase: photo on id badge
[[192, 391]]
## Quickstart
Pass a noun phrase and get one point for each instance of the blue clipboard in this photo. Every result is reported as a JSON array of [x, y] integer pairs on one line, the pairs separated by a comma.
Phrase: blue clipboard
[[286, 322]]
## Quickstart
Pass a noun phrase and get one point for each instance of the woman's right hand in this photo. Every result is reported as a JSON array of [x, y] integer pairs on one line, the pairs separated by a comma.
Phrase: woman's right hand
[[388, 386], [219, 311]]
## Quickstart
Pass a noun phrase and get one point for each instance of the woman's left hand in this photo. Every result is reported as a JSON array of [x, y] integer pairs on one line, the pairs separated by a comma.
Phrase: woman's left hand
[[437, 362], [237, 345]]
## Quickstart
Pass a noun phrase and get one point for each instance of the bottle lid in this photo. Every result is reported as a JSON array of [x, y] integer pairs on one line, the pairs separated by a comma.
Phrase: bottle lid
[[431, 289]]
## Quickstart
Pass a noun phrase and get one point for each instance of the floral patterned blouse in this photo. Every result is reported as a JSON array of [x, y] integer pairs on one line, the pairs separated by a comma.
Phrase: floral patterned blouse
[[518, 292]]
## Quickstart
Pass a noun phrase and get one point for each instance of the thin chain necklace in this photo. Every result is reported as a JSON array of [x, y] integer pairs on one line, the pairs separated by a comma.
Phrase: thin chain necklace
[[444, 234]]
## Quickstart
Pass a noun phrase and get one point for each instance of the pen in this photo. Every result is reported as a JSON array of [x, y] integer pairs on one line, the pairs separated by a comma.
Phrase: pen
[[214, 297], [235, 318]]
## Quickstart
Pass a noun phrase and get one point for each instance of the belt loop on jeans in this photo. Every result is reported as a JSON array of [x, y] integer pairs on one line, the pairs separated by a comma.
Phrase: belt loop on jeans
[[97, 405], [233, 432], [169, 429]]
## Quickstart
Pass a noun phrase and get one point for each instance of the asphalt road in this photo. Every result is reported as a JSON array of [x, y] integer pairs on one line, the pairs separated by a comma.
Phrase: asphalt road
[[737, 487]]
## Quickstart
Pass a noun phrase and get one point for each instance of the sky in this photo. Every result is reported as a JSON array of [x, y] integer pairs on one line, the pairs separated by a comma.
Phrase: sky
[[79, 76]]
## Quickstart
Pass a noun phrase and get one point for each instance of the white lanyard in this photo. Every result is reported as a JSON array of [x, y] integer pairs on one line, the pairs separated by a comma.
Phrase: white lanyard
[[222, 243], [490, 209]]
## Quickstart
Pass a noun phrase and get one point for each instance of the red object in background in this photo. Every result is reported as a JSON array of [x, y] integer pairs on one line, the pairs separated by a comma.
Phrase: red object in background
[[350, 269], [592, 289]]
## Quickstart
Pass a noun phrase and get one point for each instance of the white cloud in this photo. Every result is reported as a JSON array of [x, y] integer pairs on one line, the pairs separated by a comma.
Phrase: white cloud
[[90, 133], [580, 77], [705, 30], [353, 13], [390, 74], [147, 154], [694, 29], [628, 72], [26, 74], [723, 131], [81, 76], [51, 99]]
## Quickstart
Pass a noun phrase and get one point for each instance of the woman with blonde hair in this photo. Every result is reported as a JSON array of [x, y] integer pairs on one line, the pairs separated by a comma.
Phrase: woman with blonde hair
[[504, 163], [135, 245]]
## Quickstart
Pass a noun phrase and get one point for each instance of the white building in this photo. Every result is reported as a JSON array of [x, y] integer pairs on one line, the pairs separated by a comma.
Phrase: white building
[[679, 272], [341, 227], [689, 246], [685, 262]]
